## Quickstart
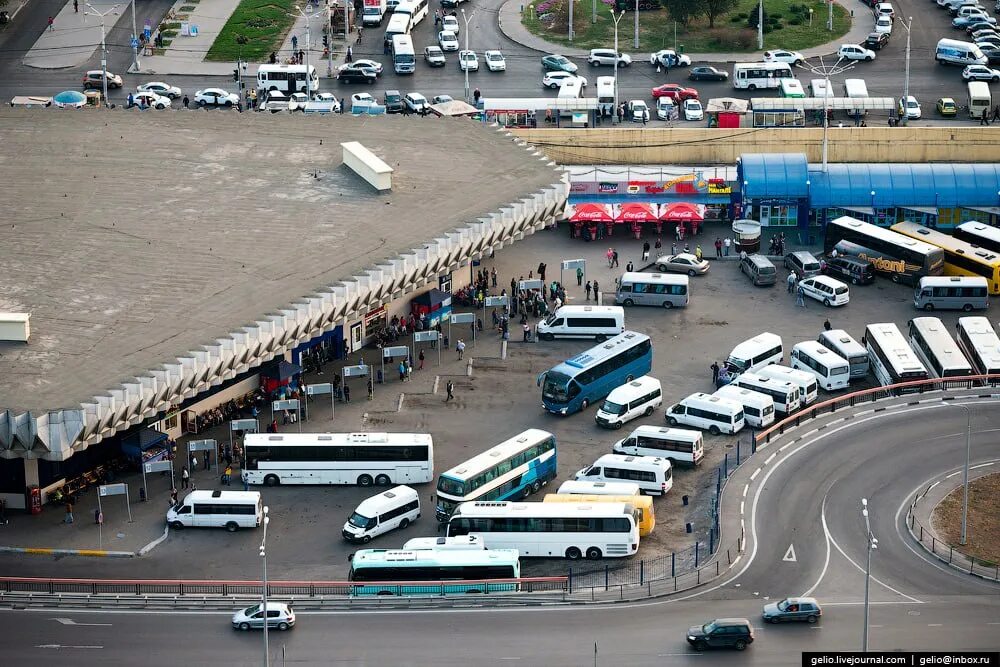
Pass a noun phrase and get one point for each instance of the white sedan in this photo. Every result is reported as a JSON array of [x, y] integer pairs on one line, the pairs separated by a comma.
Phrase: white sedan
[[909, 106], [468, 61], [980, 73], [450, 23], [328, 97], [150, 100], [216, 97], [415, 102], [781, 56], [160, 88], [693, 110], [638, 111], [855, 52], [669, 57], [448, 40], [361, 100], [495, 61], [557, 79], [441, 99], [366, 63]]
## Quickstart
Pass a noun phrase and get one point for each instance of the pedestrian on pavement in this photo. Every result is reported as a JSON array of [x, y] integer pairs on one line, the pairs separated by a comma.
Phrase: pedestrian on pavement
[[610, 254], [579, 277], [984, 118], [791, 281], [718, 247], [589, 288], [527, 332], [698, 253], [645, 251], [476, 94], [493, 277], [629, 267], [658, 246], [206, 461], [996, 112], [800, 295], [715, 373], [227, 476], [52, 24], [826, 325], [185, 477], [69, 511], [295, 44], [347, 393], [597, 290], [371, 389], [185, 101], [360, 31], [460, 346], [173, 497], [420, 357], [614, 258], [450, 388], [725, 244], [541, 271], [350, 55], [402, 371], [76, 6], [194, 461]]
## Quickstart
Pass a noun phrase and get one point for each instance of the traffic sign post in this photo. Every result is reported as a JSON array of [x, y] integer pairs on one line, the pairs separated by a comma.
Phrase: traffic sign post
[[319, 390], [288, 404], [244, 426], [157, 466], [113, 490], [572, 265], [425, 336], [463, 318], [361, 370], [210, 446], [394, 351]]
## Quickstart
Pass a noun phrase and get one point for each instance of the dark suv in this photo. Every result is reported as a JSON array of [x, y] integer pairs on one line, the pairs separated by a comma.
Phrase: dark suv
[[734, 633], [850, 269], [357, 75], [393, 101], [877, 40]]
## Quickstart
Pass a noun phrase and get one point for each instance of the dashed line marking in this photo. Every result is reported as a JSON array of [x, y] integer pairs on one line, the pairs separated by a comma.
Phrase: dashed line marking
[[746, 487], [770, 458], [742, 505], [754, 475]]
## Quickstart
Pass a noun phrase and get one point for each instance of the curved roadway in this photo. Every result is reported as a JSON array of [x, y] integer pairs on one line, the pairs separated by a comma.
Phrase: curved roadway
[[799, 499]]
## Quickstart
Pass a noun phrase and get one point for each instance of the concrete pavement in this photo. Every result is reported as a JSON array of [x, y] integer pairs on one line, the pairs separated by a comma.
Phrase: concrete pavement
[[509, 22], [75, 34]]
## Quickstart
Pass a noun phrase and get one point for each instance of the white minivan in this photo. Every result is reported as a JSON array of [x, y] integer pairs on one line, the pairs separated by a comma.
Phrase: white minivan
[[677, 444], [829, 291], [637, 398], [757, 352], [956, 52], [577, 488], [716, 414], [598, 322], [832, 371], [840, 342], [231, 510], [651, 473], [783, 393], [396, 508], [808, 387], [758, 408]]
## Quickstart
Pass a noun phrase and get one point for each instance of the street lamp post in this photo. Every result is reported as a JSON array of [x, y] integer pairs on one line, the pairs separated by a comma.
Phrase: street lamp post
[[263, 557], [826, 71], [871, 546], [635, 41], [307, 15], [760, 24], [104, 46], [906, 77], [616, 19], [965, 474], [466, 65], [135, 42]]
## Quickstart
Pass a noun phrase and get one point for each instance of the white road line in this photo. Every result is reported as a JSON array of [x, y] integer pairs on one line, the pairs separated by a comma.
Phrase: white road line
[[754, 475], [59, 646], [766, 462], [742, 512], [70, 621], [826, 534], [929, 625], [746, 487]]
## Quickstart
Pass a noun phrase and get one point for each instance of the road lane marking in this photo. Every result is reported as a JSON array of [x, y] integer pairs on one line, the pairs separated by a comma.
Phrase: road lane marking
[[746, 487], [742, 504], [70, 621], [790, 554], [826, 535], [934, 625], [60, 646], [754, 475], [771, 458]]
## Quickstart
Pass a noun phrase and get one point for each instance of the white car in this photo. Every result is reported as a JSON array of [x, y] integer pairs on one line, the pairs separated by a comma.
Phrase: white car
[[328, 97], [151, 100], [297, 101], [495, 61], [884, 24], [780, 56], [365, 63], [910, 106], [829, 291], [448, 40], [468, 61], [665, 108], [441, 99], [693, 110], [279, 616], [670, 58], [216, 97], [557, 79], [855, 52], [638, 112], [608, 57], [435, 56], [451, 24], [160, 88], [415, 102], [980, 73], [361, 100]]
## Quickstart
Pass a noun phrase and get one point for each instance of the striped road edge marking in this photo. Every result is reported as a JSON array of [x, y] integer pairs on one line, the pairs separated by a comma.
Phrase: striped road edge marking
[[48, 551]]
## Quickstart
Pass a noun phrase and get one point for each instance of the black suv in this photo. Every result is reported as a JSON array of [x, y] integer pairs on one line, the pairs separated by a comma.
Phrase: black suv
[[877, 40], [734, 633], [357, 75], [849, 269], [393, 101]]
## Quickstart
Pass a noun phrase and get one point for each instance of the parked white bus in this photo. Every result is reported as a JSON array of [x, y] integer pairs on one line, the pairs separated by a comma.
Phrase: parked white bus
[[463, 543], [231, 510], [664, 290], [892, 359], [652, 473], [551, 530], [416, 10], [403, 59], [576, 487], [808, 387], [840, 342], [856, 88], [286, 78], [980, 343], [832, 371], [952, 293], [784, 393], [598, 322], [755, 353], [717, 415], [936, 349], [758, 408], [399, 24], [679, 445], [338, 458], [760, 75]]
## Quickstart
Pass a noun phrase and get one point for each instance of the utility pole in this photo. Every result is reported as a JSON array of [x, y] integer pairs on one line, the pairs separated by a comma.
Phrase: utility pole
[[760, 24], [965, 474], [466, 66], [872, 546], [135, 42], [636, 40], [616, 19], [104, 46], [906, 77], [307, 15], [593, 18], [829, 20], [570, 27], [826, 71], [263, 558], [329, 38]]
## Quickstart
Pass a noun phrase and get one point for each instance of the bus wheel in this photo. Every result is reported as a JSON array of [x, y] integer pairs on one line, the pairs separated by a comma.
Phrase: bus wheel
[[584, 404], [929, 307], [600, 338], [548, 336], [629, 378], [628, 302], [403, 524], [593, 553], [672, 421], [177, 525], [366, 539], [271, 480], [573, 553], [536, 486], [895, 278], [667, 305], [714, 430], [365, 480], [232, 526], [648, 411], [618, 425], [967, 307], [382, 480]]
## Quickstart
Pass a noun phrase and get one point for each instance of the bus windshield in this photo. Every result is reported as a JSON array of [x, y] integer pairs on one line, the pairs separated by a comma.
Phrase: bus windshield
[[361, 521], [613, 408], [405, 58], [556, 387], [452, 486]]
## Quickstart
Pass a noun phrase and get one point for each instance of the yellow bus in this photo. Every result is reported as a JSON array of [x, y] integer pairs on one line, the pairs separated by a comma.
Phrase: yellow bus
[[960, 257], [644, 504]]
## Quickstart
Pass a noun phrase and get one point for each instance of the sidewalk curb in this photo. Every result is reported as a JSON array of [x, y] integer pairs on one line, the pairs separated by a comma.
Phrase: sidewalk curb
[[155, 543], [46, 551]]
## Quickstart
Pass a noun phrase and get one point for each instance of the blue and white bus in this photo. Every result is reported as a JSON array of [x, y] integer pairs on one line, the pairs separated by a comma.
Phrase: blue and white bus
[[433, 571], [510, 471], [590, 376]]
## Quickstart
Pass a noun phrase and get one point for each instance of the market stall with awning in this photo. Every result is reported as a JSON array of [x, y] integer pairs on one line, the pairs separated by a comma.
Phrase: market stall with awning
[[637, 213], [686, 215], [591, 220]]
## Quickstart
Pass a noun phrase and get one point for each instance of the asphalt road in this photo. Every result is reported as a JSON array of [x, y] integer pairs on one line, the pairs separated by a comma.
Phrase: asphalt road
[[884, 76]]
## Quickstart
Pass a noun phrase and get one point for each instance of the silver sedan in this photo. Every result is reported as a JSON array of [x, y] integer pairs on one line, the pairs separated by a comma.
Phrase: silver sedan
[[682, 263]]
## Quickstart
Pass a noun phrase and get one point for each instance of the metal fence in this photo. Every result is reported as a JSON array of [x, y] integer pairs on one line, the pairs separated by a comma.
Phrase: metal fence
[[945, 552]]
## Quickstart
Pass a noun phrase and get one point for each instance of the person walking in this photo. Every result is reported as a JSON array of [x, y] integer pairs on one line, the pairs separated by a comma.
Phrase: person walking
[[715, 373], [628, 267], [791, 281], [450, 388], [614, 258], [589, 288], [347, 393], [541, 271], [460, 346], [996, 113], [350, 55], [725, 245], [493, 276], [698, 253], [476, 94], [800, 297], [526, 330], [185, 477], [206, 462], [610, 254], [579, 277], [420, 358], [826, 325], [645, 251], [360, 32], [76, 6], [227, 476], [52, 24], [69, 511], [597, 290], [718, 248], [402, 371], [371, 389]]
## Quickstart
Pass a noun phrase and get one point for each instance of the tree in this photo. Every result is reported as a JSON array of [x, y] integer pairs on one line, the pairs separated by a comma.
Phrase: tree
[[717, 8], [683, 11]]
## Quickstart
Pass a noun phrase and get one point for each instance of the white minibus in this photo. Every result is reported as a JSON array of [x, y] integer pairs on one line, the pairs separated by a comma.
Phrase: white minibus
[[651, 473], [231, 510], [980, 99], [757, 352], [841, 343], [955, 52], [664, 290], [570, 90], [403, 59], [578, 488], [396, 508], [760, 75], [606, 95], [784, 393], [286, 78], [758, 408], [461, 543], [952, 293], [677, 444], [399, 24], [808, 387], [415, 10], [599, 322], [832, 371], [717, 415], [856, 88], [637, 398], [936, 349]]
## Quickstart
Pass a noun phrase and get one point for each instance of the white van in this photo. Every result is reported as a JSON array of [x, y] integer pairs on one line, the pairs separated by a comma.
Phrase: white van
[[457, 543], [651, 473], [718, 415], [758, 408], [677, 444], [840, 342], [979, 98], [832, 371], [857, 89], [396, 508], [576, 488], [784, 394], [570, 90], [606, 95], [759, 351], [808, 387], [231, 510], [637, 398], [954, 52], [599, 322]]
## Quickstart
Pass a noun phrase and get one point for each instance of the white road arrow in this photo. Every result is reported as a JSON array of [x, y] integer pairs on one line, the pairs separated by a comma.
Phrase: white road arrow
[[70, 621], [59, 646], [790, 554]]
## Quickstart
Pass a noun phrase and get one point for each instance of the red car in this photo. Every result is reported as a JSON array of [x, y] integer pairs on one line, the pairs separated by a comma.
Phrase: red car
[[675, 91]]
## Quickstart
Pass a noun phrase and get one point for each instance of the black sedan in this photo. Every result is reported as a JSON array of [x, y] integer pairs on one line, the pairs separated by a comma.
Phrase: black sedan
[[357, 75], [992, 54], [707, 74], [876, 40]]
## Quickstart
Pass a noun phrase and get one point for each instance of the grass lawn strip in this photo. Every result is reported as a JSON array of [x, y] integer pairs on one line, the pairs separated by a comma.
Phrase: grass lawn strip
[[984, 519], [265, 24]]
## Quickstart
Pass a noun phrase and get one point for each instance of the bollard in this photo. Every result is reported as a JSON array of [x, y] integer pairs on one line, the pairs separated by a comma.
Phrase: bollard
[[725, 463], [738, 453], [711, 541], [673, 563], [753, 445], [642, 571], [607, 577], [696, 554], [684, 500], [687, 527]]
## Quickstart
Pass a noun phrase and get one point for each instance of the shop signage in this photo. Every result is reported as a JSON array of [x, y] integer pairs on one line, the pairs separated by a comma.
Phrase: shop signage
[[378, 313], [607, 188]]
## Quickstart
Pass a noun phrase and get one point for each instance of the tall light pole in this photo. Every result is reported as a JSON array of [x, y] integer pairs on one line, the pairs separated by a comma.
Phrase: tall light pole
[[329, 37], [826, 71], [965, 474], [135, 42], [90, 11], [872, 545], [570, 22], [635, 41], [616, 19], [263, 557], [906, 77], [829, 20], [760, 24], [307, 15], [466, 65]]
